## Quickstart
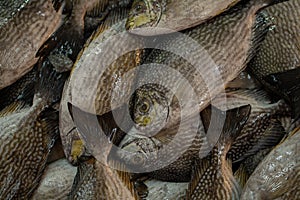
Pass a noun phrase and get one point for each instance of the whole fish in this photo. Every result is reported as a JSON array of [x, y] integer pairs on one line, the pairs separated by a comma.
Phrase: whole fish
[[173, 15], [56, 182], [96, 179], [277, 63], [23, 35], [225, 45], [27, 136], [277, 176], [72, 93], [212, 176]]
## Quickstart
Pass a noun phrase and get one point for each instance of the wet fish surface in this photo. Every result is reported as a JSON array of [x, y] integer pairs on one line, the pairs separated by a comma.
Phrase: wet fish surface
[[22, 36]]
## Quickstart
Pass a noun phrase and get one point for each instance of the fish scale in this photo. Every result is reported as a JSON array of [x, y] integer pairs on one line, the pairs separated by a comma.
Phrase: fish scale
[[22, 36]]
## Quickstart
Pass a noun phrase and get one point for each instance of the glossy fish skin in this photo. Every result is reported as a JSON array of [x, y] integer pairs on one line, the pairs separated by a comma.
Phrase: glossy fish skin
[[9, 8], [96, 179], [213, 178], [229, 54], [111, 26], [277, 175], [56, 182], [263, 129], [22, 36], [277, 63], [27, 135], [173, 15]]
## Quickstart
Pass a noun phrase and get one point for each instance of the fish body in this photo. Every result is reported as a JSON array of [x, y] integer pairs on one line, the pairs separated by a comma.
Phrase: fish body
[[277, 63], [98, 179], [27, 136], [72, 93], [213, 178], [225, 45], [173, 15], [56, 182], [277, 176], [22, 36], [9, 8]]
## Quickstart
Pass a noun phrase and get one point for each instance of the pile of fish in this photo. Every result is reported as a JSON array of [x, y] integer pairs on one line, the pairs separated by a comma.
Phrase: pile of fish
[[150, 99]]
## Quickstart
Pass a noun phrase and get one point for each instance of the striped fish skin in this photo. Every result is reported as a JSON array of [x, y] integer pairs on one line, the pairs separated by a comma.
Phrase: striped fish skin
[[27, 136], [98, 179], [9, 8], [22, 37], [112, 25], [174, 15], [277, 176], [212, 176]]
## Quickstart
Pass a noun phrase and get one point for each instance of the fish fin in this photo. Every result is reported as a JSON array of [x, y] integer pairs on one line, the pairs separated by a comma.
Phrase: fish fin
[[141, 189], [13, 107], [288, 83], [49, 84], [259, 31], [198, 169], [241, 175], [49, 121], [57, 4], [271, 137], [124, 176], [68, 40], [233, 121]]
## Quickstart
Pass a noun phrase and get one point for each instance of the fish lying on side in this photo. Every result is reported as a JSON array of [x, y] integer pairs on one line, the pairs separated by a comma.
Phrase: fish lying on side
[[27, 136], [172, 15], [56, 182], [86, 68], [23, 35], [98, 179], [224, 45], [277, 63], [212, 176], [277, 176]]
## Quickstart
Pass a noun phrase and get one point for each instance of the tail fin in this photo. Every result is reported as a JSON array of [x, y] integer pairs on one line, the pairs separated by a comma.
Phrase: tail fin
[[50, 83], [288, 84], [233, 121]]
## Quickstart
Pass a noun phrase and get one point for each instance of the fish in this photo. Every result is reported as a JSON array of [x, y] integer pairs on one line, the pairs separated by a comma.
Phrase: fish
[[8, 9], [56, 182], [277, 62], [276, 177], [27, 136], [162, 17], [21, 89], [97, 178], [266, 116], [227, 55], [113, 25], [23, 35], [212, 176]]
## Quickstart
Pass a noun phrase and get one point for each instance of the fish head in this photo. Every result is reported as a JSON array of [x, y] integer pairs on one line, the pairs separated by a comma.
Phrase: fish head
[[150, 109], [144, 13]]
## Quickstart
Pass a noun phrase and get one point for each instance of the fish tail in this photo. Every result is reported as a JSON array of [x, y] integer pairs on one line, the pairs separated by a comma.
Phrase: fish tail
[[49, 84], [288, 83], [235, 119]]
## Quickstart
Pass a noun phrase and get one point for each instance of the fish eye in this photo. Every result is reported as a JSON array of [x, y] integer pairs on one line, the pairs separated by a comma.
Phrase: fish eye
[[138, 7], [137, 159], [144, 107]]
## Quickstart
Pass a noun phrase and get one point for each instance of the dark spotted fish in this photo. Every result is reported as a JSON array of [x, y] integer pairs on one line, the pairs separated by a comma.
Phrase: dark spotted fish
[[27, 136], [277, 63], [172, 15], [22, 36], [277, 176], [111, 26], [212, 177], [96, 179]]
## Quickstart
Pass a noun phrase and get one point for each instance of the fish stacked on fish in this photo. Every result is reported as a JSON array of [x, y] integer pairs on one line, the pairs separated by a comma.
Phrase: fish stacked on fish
[[149, 95]]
